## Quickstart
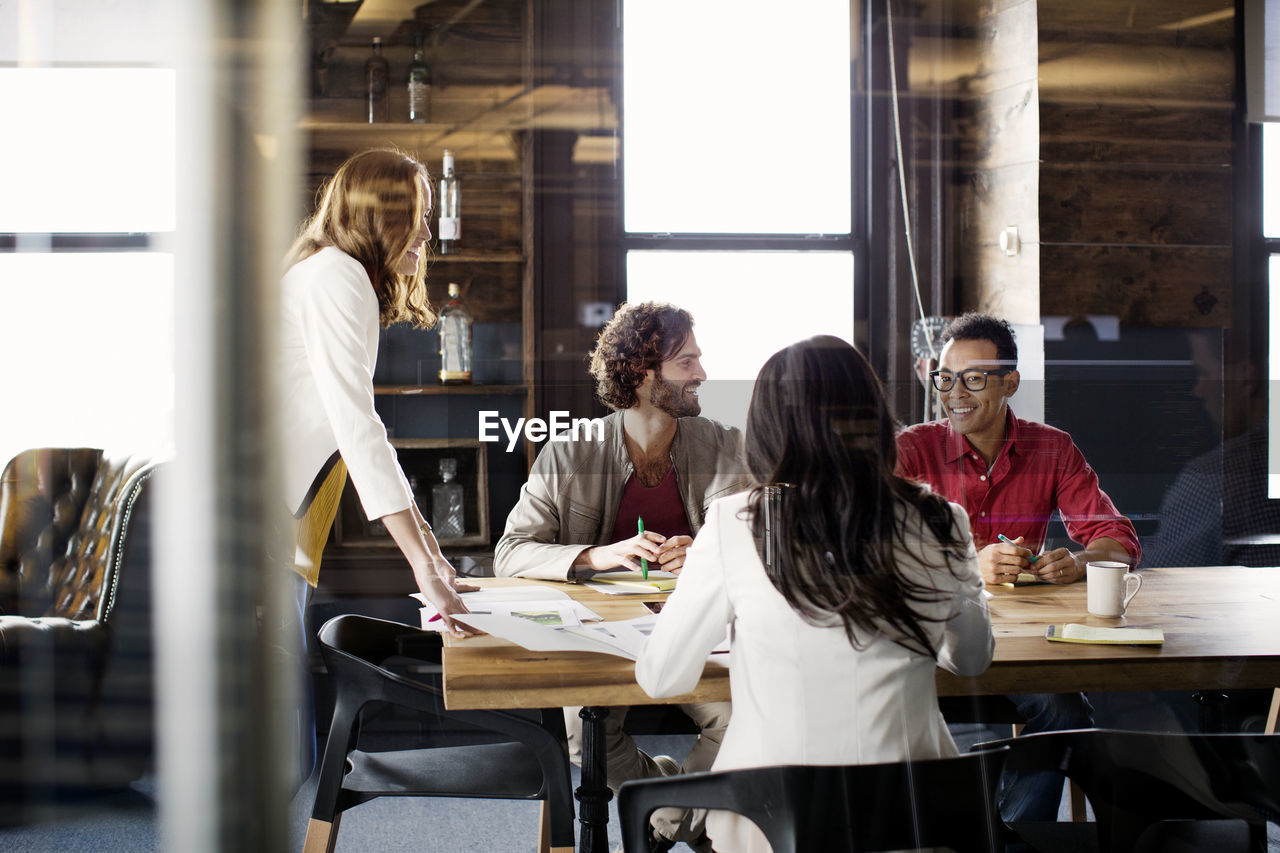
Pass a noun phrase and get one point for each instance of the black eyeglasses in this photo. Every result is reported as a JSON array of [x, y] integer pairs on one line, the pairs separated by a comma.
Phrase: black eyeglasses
[[973, 379]]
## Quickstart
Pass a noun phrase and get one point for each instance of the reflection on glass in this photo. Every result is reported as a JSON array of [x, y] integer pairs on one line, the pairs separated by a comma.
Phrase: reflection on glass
[[92, 336], [1270, 181], [87, 149], [746, 306], [1273, 360], [736, 117]]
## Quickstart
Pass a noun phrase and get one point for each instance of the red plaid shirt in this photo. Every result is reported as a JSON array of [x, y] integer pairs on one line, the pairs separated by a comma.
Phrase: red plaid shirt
[[1038, 470]]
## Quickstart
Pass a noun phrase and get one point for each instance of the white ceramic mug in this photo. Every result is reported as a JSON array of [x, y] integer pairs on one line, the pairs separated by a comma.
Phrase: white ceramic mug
[[1108, 585]]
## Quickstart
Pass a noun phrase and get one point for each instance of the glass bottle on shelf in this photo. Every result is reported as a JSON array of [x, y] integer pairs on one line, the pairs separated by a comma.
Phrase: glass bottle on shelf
[[377, 74], [447, 512], [419, 85], [450, 227], [455, 341]]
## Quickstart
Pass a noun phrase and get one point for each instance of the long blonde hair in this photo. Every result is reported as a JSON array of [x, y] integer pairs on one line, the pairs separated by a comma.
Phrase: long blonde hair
[[370, 209]]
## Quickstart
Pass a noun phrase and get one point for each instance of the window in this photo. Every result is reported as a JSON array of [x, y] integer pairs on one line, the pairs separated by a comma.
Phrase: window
[[89, 300], [736, 177], [1271, 245]]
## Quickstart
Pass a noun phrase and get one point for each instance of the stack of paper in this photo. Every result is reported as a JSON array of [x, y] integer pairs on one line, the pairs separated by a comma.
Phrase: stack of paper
[[1076, 633], [624, 583], [539, 604]]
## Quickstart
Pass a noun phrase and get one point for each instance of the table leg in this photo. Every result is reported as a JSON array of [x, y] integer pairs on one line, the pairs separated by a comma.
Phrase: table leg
[[593, 794]]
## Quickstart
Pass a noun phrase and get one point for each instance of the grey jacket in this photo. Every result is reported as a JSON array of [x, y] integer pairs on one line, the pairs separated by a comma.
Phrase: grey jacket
[[573, 492]]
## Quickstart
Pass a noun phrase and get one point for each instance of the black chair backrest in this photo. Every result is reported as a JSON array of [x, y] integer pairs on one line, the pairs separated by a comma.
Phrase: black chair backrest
[[943, 802], [1136, 779]]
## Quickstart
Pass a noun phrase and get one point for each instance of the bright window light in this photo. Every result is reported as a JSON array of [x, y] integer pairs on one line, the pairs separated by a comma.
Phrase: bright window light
[[746, 306], [736, 116], [1270, 179], [1273, 403], [87, 149], [88, 351]]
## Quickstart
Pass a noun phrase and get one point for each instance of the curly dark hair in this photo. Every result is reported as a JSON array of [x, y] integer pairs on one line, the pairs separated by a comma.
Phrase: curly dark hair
[[976, 326], [638, 338]]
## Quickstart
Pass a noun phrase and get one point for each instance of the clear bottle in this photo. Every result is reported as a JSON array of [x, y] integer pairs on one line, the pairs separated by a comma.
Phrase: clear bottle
[[377, 75], [419, 85], [455, 341], [450, 226], [448, 518]]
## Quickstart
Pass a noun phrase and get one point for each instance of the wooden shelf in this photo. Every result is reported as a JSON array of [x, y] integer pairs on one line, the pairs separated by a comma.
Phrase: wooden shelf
[[429, 390], [478, 258], [475, 122]]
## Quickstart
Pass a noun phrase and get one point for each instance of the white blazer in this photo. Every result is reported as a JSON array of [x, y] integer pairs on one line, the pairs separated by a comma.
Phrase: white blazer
[[802, 694], [330, 348]]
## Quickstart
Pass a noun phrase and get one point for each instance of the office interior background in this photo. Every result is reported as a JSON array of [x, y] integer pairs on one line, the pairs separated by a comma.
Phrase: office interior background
[[1100, 173]]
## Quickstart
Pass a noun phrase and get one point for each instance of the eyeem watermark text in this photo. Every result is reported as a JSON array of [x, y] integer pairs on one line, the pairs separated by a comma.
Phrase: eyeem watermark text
[[560, 428]]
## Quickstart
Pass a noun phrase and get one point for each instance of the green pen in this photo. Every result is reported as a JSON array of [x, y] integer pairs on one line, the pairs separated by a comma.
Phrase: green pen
[[644, 564], [1005, 540]]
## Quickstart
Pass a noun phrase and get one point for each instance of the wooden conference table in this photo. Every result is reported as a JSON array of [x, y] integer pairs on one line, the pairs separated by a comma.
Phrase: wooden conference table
[[1221, 626]]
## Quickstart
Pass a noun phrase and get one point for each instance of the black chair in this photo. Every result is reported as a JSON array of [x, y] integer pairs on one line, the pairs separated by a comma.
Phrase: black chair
[[372, 660], [1154, 791], [943, 802]]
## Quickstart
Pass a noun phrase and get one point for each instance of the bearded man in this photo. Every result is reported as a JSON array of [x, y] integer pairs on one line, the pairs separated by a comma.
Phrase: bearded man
[[659, 461]]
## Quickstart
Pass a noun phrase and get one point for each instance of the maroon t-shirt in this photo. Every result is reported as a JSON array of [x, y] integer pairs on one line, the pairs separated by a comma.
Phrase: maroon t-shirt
[[660, 507]]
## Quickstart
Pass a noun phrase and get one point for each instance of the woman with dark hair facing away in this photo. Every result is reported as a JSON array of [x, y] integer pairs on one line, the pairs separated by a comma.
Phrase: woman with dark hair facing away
[[355, 266], [842, 586]]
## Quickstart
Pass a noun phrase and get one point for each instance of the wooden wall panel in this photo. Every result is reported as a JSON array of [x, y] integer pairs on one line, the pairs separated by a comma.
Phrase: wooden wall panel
[[490, 291], [1135, 191], [1075, 132], [1142, 285], [1135, 204]]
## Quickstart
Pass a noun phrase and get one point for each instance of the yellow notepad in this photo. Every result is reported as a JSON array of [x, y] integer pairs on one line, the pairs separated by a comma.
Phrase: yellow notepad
[[1023, 579], [658, 581], [1076, 633]]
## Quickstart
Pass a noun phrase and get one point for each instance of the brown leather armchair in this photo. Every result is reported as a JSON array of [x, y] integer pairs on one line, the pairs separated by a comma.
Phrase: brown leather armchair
[[75, 621]]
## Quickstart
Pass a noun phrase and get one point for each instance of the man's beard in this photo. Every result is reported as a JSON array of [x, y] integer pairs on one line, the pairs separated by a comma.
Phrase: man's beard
[[672, 399]]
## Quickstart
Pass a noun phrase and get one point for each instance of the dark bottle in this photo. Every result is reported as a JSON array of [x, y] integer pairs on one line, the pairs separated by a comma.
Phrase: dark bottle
[[377, 74], [419, 85]]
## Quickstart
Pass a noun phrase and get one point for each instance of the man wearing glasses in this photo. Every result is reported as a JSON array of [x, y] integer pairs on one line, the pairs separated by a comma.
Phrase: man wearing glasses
[[1010, 475]]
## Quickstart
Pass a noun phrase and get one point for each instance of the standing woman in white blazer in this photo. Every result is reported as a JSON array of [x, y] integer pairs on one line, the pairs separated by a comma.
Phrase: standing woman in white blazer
[[842, 586], [356, 266]]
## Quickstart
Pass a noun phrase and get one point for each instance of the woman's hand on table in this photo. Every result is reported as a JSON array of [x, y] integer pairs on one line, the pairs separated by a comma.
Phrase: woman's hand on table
[[446, 571], [441, 593]]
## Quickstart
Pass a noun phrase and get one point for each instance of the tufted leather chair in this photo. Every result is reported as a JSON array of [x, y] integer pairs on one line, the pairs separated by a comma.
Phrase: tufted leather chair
[[75, 621]]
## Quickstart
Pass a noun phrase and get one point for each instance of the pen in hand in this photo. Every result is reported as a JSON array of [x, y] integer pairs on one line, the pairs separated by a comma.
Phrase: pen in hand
[[1006, 540], [644, 563]]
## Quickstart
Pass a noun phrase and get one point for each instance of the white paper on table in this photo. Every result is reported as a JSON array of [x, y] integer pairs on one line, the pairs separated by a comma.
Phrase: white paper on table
[[506, 598], [538, 638], [615, 589], [629, 635]]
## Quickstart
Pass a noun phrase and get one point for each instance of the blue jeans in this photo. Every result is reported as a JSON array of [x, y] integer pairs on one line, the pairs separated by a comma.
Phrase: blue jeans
[[1035, 796]]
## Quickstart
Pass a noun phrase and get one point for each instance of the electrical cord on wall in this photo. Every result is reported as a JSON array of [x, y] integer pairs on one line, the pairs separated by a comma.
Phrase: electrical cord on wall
[[902, 179]]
